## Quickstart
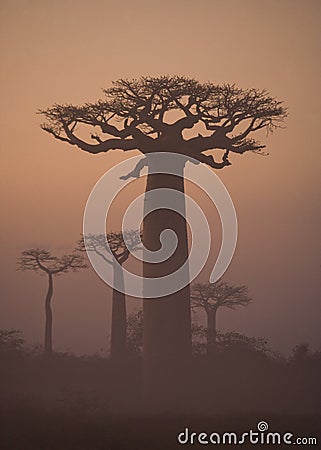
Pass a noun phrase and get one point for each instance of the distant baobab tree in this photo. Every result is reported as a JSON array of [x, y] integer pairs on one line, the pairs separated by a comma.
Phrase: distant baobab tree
[[211, 297], [152, 114], [41, 260], [113, 252]]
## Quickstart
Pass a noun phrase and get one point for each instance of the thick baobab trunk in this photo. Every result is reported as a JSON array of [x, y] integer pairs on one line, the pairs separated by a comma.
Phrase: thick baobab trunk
[[167, 320], [48, 317], [118, 342], [211, 330]]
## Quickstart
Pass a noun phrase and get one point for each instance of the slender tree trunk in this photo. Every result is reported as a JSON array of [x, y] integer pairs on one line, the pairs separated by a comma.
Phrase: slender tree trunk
[[118, 343], [48, 317], [211, 331], [167, 320]]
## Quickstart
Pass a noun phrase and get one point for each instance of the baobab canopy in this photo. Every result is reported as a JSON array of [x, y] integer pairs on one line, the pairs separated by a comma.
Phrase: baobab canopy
[[150, 114]]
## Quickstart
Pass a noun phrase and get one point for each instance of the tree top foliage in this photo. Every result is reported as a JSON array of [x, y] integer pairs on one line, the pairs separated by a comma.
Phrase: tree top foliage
[[150, 114], [117, 244], [42, 260], [214, 295]]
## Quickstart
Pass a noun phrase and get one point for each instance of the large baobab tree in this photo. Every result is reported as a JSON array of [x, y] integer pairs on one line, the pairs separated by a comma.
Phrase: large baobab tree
[[41, 260], [114, 250], [211, 297], [152, 114]]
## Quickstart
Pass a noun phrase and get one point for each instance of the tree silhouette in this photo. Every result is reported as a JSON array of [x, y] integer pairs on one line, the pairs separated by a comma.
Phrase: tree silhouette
[[211, 297], [151, 114], [41, 260], [114, 250]]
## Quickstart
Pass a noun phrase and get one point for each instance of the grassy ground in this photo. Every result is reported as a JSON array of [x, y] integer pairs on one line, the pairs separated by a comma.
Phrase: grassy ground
[[70, 403]]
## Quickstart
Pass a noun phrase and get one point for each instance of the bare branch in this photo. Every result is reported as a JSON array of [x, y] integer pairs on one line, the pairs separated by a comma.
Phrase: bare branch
[[42, 260], [133, 115], [114, 244], [219, 294]]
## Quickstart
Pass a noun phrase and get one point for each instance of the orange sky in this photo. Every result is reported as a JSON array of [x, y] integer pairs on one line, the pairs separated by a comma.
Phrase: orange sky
[[66, 51]]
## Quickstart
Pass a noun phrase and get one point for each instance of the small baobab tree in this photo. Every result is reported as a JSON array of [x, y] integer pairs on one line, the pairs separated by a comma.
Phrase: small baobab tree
[[42, 261], [114, 248], [211, 297]]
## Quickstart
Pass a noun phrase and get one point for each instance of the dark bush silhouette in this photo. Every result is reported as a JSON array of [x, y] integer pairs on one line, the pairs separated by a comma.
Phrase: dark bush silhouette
[[229, 343], [135, 332], [71, 402], [11, 341]]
